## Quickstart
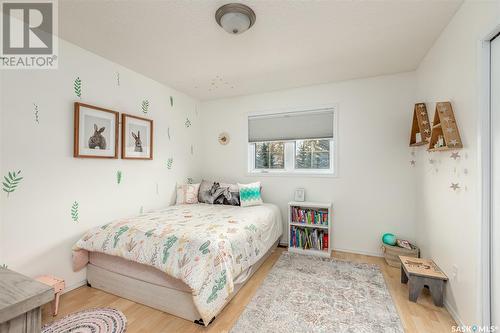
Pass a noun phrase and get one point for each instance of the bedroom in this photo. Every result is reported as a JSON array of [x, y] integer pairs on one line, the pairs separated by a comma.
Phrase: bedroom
[[180, 166]]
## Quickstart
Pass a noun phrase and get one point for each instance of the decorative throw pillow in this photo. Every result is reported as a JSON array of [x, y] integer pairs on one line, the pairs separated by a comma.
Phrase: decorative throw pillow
[[187, 194], [219, 193], [250, 194]]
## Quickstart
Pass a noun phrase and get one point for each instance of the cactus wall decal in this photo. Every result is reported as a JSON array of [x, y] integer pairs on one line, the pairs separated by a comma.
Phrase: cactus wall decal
[[35, 111], [119, 176], [78, 87], [11, 181], [145, 106], [170, 163], [74, 211], [4, 266], [188, 122], [171, 101]]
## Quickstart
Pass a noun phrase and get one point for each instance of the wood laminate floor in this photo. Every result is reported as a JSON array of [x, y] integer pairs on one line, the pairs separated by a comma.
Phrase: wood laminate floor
[[421, 317]]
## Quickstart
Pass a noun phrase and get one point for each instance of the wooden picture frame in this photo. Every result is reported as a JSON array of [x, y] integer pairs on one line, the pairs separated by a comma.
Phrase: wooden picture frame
[[141, 148], [91, 140]]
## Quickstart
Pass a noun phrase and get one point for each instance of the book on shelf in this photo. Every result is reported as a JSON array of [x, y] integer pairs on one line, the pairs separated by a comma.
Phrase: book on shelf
[[309, 216], [306, 239]]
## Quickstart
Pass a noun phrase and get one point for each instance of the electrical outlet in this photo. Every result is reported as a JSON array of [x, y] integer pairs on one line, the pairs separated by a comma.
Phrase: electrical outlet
[[454, 273]]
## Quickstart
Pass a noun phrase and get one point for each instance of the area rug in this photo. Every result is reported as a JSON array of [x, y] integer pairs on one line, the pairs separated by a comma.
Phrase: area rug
[[313, 294], [99, 320]]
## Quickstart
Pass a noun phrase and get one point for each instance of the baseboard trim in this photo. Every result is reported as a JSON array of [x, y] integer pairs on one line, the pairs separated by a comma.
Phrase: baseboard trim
[[75, 286], [454, 314], [366, 253]]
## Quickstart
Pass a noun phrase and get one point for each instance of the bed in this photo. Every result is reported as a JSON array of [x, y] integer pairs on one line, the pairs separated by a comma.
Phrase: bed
[[187, 260]]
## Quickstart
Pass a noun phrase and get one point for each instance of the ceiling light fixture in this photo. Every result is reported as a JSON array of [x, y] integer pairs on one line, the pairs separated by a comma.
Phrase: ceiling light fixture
[[235, 18]]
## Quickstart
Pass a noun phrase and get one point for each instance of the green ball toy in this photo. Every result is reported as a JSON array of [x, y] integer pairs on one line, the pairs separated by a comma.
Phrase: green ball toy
[[389, 239]]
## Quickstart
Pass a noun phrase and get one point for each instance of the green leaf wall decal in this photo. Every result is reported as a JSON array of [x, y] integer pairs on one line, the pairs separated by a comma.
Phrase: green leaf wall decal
[[78, 87], [170, 162], [74, 211], [119, 176], [11, 181], [35, 111], [190, 180], [188, 122], [145, 106]]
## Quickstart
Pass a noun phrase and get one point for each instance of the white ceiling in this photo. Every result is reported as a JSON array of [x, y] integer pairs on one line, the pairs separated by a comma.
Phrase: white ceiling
[[293, 43]]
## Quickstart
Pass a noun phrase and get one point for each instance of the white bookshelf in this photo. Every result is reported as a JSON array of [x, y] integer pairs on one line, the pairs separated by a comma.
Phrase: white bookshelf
[[313, 206]]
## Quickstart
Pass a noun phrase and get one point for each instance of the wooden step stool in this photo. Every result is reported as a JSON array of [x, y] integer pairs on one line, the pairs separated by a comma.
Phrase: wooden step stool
[[418, 273], [58, 285]]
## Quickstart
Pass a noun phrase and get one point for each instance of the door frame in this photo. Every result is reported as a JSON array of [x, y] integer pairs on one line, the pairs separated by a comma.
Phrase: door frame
[[485, 191]]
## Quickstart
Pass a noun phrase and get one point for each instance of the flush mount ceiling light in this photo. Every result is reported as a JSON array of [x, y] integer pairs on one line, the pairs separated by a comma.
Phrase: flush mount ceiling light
[[235, 18]]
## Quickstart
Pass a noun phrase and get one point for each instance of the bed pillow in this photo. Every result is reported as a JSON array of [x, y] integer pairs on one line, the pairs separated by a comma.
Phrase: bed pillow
[[219, 193], [250, 194], [187, 194]]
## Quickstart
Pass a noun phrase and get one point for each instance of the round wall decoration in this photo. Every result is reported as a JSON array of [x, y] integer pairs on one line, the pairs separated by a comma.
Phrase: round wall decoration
[[223, 138]]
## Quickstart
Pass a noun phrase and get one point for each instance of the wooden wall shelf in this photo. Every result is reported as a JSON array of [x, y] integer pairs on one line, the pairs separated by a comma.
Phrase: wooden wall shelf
[[420, 125], [444, 126]]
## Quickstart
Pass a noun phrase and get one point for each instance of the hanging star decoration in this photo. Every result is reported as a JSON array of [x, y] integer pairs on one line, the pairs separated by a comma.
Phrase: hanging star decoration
[[447, 119], [413, 153], [413, 163], [455, 155], [425, 122], [453, 142], [426, 130], [449, 130], [455, 186], [422, 113]]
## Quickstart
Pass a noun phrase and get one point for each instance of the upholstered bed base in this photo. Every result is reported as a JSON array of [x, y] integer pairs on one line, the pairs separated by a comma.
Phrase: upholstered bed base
[[171, 296]]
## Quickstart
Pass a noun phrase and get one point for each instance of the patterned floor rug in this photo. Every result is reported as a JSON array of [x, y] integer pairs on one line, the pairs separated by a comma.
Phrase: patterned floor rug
[[313, 294], [99, 320]]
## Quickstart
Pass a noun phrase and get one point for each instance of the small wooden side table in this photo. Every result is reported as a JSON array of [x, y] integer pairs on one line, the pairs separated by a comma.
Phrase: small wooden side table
[[418, 272], [57, 284], [21, 299]]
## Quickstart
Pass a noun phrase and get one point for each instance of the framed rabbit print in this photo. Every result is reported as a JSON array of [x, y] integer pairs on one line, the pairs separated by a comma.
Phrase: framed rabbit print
[[96, 132], [137, 138]]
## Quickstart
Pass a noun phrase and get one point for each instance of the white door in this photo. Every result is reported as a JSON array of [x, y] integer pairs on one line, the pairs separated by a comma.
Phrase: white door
[[495, 170]]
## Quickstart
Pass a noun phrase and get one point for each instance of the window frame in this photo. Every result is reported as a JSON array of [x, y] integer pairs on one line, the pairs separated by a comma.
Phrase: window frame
[[290, 149]]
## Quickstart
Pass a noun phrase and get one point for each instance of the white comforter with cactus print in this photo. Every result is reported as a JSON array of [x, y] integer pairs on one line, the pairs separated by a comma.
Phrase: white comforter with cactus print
[[205, 246]]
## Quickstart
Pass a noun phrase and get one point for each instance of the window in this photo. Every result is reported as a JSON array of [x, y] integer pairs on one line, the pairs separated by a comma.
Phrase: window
[[292, 143], [312, 154], [270, 155]]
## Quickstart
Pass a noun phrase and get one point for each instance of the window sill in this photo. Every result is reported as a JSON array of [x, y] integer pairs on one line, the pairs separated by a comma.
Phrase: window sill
[[291, 174]]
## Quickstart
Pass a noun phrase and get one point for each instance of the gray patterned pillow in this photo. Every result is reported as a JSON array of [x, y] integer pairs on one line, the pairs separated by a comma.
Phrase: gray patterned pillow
[[219, 193]]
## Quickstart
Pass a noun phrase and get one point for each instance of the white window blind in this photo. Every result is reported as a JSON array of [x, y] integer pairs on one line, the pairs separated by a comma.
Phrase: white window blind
[[313, 124]]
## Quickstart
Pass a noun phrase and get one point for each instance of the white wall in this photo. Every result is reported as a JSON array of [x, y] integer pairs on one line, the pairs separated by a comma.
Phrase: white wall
[[38, 231], [448, 227], [374, 192]]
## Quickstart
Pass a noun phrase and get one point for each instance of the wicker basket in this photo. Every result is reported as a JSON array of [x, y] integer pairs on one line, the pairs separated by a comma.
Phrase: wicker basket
[[392, 253]]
